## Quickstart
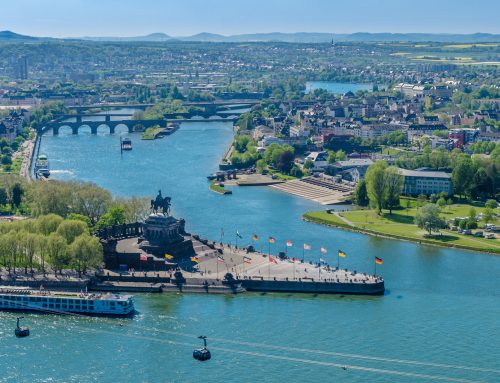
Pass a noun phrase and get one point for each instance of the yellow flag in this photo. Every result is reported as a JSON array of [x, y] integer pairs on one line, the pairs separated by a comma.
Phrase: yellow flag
[[169, 256]]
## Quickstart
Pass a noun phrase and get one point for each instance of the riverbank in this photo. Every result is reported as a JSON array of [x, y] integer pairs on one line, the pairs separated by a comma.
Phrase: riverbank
[[400, 226]]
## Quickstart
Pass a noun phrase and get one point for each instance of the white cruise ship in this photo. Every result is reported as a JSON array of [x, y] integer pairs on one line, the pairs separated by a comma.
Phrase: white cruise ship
[[24, 298]]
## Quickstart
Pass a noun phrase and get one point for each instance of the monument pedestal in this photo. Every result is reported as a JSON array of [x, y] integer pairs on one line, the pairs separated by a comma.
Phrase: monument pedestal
[[164, 234]]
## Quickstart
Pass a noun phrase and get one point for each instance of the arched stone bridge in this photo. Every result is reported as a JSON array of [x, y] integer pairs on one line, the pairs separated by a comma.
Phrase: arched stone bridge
[[75, 126]]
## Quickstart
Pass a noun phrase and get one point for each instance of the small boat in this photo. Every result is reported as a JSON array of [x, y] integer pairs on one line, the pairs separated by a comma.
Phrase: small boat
[[202, 354], [21, 331], [126, 143]]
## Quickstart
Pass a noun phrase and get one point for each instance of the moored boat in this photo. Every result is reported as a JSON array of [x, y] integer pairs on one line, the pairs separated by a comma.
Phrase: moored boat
[[26, 299]]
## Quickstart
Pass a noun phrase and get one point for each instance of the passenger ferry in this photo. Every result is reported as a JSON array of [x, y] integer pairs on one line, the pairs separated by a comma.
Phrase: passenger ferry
[[26, 299], [42, 166], [126, 143]]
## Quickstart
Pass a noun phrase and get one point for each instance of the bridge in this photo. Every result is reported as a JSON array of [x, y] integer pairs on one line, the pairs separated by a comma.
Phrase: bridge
[[78, 122], [131, 125], [110, 106]]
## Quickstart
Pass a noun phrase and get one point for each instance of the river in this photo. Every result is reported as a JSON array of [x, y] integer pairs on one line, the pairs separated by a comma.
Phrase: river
[[441, 305], [338, 87]]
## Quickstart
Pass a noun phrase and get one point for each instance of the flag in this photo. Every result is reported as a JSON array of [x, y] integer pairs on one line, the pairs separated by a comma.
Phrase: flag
[[247, 259], [307, 247], [220, 258], [255, 238], [195, 259], [341, 254], [272, 259], [238, 234], [169, 256], [271, 239], [378, 260], [289, 243], [323, 250], [143, 258]]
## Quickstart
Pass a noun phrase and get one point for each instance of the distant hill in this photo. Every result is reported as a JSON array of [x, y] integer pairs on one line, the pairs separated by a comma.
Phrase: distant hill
[[298, 37], [151, 37], [311, 37], [11, 36]]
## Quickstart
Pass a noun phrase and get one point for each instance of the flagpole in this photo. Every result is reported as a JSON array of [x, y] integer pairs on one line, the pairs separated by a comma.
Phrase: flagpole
[[375, 272], [303, 253], [338, 261], [217, 261]]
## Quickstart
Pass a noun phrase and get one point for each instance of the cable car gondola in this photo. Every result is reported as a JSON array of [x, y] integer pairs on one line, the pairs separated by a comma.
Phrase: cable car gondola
[[202, 354], [21, 331]]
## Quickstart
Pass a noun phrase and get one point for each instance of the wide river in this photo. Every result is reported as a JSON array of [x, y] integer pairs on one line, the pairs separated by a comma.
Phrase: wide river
[[440, 316]]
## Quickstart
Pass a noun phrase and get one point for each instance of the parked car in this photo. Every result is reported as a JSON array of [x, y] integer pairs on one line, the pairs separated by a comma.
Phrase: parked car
[[467, 232], [489, 236], [478, 234]]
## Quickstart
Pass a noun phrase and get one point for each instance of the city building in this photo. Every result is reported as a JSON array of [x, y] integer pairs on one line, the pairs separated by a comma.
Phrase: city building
[[426, 182]]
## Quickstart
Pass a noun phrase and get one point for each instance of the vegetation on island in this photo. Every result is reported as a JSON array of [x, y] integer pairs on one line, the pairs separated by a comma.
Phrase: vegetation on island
[[152, 133], [218, 188]]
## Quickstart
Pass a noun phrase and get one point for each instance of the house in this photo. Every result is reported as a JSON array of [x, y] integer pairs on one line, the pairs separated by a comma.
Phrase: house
[[319, 159], [426, 182], [352, 169]]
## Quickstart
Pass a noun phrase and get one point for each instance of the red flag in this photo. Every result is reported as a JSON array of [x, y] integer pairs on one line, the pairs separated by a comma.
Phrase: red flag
[[323, 250], [289, 243], [143, 258], [272, 259], [307, 247]]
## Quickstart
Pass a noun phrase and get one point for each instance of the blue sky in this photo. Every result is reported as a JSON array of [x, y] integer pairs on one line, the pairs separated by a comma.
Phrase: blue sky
[[69, 18]]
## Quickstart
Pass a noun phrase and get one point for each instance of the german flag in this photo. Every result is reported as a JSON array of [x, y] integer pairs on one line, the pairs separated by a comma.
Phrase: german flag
[[271, 239], [341, 254], [378, 260], [254, 237], [195, 259]]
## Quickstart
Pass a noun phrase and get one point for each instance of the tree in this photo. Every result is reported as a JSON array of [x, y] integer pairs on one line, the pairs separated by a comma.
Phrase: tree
[[42, 244], [427, 217], [17, 195], [462, 176], [441, 202], [375, 184], [70, 229], [137, 209], [393, 185], [57, 250], [308, 164], [361, 194], [488, 215], [491, 203], [285, 161], [29, 244], [114, 216], [48, 223], [80, 217], [86, 253]]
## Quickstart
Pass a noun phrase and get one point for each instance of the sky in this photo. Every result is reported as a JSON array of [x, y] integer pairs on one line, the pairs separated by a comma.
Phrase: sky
[[76, 18]]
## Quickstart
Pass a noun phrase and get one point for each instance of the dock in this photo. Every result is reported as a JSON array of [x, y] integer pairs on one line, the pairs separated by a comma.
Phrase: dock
[[322, 191], [250, 271]]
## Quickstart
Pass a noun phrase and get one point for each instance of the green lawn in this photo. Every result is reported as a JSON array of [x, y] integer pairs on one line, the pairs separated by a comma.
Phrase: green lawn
[[401, 225], [151, 133]]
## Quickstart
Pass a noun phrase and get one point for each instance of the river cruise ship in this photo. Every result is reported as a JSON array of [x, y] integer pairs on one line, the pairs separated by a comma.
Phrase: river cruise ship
[[26, 299]]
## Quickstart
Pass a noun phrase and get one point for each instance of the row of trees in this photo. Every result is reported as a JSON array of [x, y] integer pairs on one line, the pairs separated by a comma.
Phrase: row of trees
[[49, 240], [84, 201], [381, 187]]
